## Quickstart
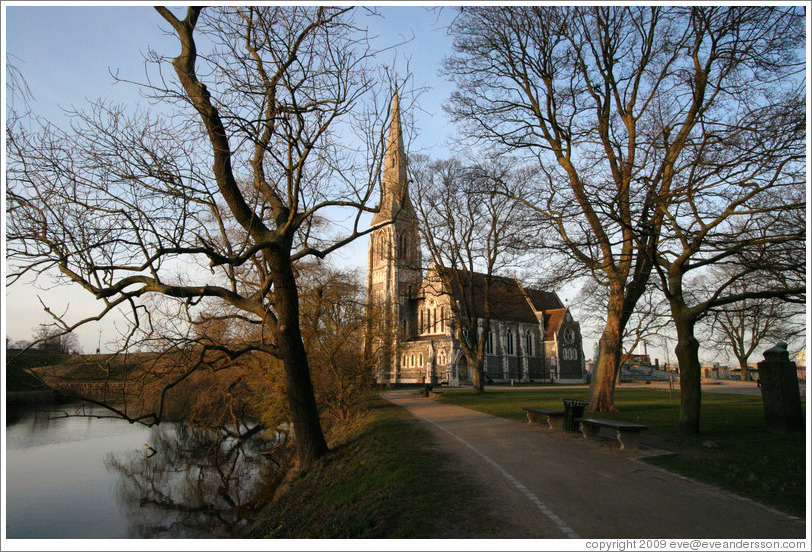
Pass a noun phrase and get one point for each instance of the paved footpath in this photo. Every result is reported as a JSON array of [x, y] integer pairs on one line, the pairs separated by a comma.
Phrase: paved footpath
[[551, 484]]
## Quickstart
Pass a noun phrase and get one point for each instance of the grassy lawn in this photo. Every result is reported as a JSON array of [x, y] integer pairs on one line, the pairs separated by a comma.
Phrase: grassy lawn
[[383, 479], [767, 467]]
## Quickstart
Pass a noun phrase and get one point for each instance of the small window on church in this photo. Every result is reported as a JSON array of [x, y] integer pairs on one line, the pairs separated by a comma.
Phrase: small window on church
[[404, 361], [411, 360], [509, 342], [420, 359], [528, 343], [489, 343]]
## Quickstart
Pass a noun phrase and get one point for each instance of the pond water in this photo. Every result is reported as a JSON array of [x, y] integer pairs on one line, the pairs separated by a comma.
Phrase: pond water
[[88, 477]]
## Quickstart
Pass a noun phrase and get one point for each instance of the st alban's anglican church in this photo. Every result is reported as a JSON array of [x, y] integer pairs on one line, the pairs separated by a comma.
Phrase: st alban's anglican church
[[533, 336]]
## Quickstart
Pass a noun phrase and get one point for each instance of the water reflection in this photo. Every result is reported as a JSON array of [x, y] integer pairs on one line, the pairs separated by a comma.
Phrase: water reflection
[[195, 483]]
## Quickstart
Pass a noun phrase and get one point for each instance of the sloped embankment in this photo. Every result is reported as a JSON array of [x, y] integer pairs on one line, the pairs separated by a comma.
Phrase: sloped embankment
[[384, 479]]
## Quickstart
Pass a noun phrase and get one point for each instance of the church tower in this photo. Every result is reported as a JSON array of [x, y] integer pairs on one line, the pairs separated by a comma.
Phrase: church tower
[[393, 263]]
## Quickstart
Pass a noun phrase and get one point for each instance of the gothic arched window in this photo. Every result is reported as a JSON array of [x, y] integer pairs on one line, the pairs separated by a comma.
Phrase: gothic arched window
[[528, 343], [381, 247], [420, 360], [509, 342], [489, 343]]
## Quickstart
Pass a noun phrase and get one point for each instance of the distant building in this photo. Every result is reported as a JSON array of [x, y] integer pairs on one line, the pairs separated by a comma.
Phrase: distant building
[[639, 360]]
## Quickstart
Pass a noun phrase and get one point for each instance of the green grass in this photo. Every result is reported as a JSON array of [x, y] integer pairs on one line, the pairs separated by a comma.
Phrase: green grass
[[767, 467], [384, 479]]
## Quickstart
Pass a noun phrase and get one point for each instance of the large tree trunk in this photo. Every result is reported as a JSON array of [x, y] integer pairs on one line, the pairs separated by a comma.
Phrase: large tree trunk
[[745, 373], [308, 434], [690, 372], [477, 375], [604, 375]]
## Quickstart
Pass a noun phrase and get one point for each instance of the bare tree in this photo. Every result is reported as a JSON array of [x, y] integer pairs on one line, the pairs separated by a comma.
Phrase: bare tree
[[571, 87], [471, 231], [738, 229], [649, 319], [51, 339], [615, 104], [743, 327], [737, 199], [212, 198]]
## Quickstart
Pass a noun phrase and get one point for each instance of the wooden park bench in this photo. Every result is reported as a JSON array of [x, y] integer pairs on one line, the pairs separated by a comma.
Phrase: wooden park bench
[[628, 434], [555, 418]]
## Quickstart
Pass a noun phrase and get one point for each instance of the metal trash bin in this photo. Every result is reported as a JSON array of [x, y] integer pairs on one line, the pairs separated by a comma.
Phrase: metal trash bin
[[573, 408]]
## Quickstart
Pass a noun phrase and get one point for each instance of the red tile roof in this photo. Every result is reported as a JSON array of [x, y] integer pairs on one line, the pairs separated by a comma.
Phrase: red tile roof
[[552, 322]]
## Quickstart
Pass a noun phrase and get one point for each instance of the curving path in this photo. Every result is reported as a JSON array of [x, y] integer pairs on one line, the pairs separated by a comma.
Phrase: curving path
[[550, 484]]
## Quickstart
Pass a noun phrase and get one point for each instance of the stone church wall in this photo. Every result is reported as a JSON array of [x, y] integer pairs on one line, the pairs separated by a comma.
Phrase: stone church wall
[[514, 370], [570, 370], [493, 366], [536, 369]]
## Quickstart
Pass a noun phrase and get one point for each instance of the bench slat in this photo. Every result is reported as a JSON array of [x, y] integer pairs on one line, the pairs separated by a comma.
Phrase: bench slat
[[628, 434], [555, 418], [547, 411], [617, 424]]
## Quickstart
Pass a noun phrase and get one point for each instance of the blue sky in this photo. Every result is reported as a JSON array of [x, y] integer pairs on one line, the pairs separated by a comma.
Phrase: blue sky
[[67, 54]]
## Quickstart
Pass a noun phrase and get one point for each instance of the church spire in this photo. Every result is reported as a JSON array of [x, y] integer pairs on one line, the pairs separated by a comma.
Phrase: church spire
[[395, 201]]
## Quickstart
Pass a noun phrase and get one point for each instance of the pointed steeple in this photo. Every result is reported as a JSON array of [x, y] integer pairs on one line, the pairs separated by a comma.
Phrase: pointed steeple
[[395, 152], [395, 203]]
